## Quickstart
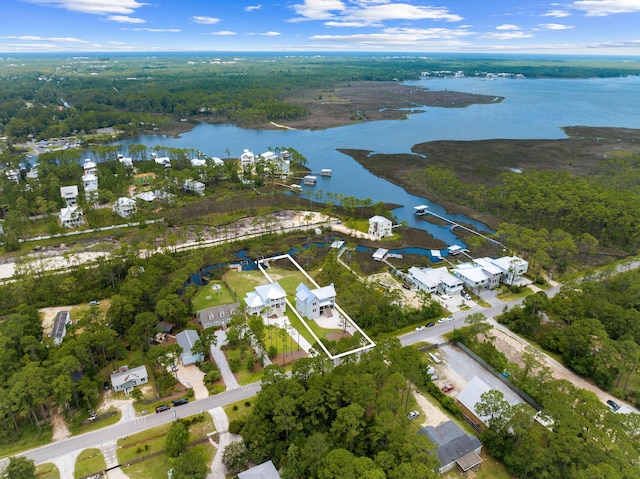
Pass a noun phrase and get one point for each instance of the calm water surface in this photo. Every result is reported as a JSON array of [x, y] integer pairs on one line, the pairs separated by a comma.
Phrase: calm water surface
[[532, 109]]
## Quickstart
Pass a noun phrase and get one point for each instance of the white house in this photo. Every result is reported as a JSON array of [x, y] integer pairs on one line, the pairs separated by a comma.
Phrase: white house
[[267, 299], [126, 161], [71, 217], [216, 161], [313, 303], [268, 156], [163, 160], [193, 186], [89, 167], [90, 184], [435, 280], [69, 194], [13, 174], [125, 207], [198, 162], [479, 274], [380, 227], [126, 379], [512, 268], [247, 158]]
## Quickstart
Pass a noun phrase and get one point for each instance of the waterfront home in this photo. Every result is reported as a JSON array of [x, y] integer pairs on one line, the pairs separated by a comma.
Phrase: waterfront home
[[90, 168], [90, 185], [380, 227], [247, 158], [380, 254], [435, 280], [71, 217], [512, 268], [69, 194], [313, 303], [125, 207], [126, 379], [309, 180], [267, 299], [126, 161]]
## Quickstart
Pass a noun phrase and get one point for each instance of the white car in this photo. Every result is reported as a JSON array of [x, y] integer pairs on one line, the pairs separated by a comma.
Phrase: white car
[[449, 318], [442, 320], [419, 328], [412, 415]]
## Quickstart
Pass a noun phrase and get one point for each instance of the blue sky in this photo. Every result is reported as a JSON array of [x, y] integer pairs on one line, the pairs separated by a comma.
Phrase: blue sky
[[506, 26]]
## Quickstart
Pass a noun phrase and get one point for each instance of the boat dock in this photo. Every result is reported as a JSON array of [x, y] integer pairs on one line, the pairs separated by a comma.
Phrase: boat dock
[[422, 210]]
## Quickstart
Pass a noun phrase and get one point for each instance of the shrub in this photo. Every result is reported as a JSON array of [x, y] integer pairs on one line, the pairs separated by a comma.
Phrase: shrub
[[216, 389], [250, 363], [235, 426], [273, 352]]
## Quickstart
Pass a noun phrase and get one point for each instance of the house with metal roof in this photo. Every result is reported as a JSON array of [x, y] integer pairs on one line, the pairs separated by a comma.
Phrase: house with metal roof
[[60, 326], [71, 217], [186, 339], [455, 447], [435, 280], [267, 299], [126, 379], [266, 470], [69, 194], [125, 207], [218, 315], [313, 303]]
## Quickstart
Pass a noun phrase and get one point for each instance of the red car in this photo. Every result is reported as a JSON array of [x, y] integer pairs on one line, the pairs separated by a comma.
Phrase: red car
[[446, 388]]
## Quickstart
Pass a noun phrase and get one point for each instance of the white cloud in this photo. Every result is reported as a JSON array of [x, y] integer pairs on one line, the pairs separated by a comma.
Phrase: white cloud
[[205, 20], [400, 36], [153, 30], [506, 36], [125, 19], [604, 8], [96, 7], [35, 38], [252, 8], [555, 26], [270, 34], [508, 26], [223, 32], [556, 13], [369, 13], [347, 24]]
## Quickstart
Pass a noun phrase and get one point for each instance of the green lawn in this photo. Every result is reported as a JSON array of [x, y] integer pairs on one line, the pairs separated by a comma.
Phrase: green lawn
[[238, 410], [47, 471], [153, 440], [80, 428], [207, 298], [89, 461], [29, 437]]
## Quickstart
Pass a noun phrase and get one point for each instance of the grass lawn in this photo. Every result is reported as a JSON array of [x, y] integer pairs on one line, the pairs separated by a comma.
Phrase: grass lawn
[[242, 282], [89, 461], [29, 437], [508, 296], [207, 298], [153, 440], [239, 410], [141, 444], [97, 424], [47, 471], [489, 469]]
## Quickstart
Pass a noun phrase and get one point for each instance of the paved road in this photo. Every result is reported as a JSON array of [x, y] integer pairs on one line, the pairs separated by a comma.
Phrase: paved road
[[96, 438]]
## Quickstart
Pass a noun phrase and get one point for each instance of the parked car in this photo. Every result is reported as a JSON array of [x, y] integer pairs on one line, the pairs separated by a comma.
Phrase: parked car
[[406, 285], [419, 328], [450, 318], [442, 320], [614, 406], [466, 295], [163, 407], [430, 324], [446, 388], [106, 385], [412, 415], [180, 402], [94, 303]]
